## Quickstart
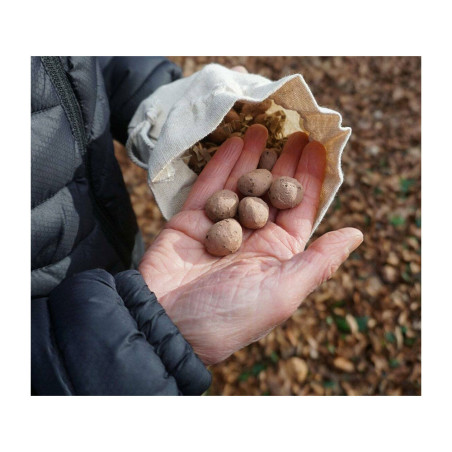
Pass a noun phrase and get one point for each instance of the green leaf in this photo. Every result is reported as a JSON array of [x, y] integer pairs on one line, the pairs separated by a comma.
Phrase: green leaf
[[342, 324], [274, 358], [406, 274], [377, 191], [397, 221], [355, 256], [406, 184], [329, 320], [362, 323], [393, 363], [337, 204], [418, 222], [409, 341], [390, 337], [258, 368], [383, 162], [329, 384], [338, 304], [244, 376]]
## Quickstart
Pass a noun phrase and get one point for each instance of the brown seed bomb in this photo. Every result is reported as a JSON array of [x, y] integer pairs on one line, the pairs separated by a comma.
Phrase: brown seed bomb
[[231, 116], [229, 124], [253, 212], [260, 119], [285, 193], [255, 183], [221, 205], [268, 159], [255, 109], [224, 237]]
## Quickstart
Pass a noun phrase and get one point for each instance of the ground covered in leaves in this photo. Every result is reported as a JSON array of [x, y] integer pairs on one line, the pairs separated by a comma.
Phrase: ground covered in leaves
[[360, 333]]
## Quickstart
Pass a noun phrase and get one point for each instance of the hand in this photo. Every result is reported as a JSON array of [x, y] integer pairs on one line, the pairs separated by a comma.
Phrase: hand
[[222, 304]]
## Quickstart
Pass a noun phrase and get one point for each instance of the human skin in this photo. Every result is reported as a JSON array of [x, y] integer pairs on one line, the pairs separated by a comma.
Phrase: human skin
[[222, 304]]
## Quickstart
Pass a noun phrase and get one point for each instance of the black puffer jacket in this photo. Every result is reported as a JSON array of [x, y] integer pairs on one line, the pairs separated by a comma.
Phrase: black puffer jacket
[[95, 326]]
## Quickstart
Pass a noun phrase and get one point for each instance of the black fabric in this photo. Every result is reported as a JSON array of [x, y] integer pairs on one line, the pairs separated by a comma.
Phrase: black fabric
[[82, 219], [77, 195], [102, 335], [128, 81], [176, 354]]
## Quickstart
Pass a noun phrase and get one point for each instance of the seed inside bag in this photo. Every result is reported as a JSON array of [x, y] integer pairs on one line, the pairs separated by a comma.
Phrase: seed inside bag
[[268, 159], [280, 123]]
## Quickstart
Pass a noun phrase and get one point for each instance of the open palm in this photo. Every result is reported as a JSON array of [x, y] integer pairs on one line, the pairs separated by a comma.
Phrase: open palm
[[222, 304]]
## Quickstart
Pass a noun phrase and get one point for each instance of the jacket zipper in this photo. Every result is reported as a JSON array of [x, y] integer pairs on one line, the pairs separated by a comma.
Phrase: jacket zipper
[[57, 74]]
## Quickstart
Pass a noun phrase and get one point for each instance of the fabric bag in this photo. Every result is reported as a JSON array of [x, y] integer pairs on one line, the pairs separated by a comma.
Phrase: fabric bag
[[176, 117]]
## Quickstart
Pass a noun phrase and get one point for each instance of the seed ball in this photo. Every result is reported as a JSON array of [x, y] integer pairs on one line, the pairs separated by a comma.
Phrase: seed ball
[[253, 213], [255, 183], [285, 193], [219, 135], [255, 109], [260, 119], [232, 117], [268, 159], [229, 124], [224, 237], [221, 205]]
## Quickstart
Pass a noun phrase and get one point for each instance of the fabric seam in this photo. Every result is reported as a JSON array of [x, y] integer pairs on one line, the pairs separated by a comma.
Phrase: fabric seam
[[72, 252], [45, 109], [54, 194], [166, 338], [59, 353]]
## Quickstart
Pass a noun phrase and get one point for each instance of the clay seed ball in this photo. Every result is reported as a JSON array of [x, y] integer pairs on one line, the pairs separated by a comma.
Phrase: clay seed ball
[[285, 193], [255, 183], [254, 109], [268, 159], [224, 237], [232, 117], [230, 123], [221, 205], [219, 135], [253, 213]]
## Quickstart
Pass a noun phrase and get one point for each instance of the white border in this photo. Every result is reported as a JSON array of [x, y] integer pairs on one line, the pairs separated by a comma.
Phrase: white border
[[324, 28]]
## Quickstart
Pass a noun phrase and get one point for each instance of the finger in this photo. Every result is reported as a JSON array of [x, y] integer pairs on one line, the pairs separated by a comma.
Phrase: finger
[[241, 69], [194, 224], [307, 270], [215, 173], [310, 173], [287, 162], [254, 144]]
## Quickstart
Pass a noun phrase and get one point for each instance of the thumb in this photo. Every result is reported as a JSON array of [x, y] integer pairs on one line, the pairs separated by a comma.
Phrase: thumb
[[241, 69], [318, 263]]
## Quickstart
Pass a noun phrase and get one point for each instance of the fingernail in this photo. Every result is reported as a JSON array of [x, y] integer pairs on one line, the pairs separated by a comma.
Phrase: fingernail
[[241, 69], [358, 239], [298, 138], [256, 132]]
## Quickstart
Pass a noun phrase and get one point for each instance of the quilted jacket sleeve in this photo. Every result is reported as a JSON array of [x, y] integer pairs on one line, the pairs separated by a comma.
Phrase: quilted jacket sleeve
[[128, 81], [102, 335]]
